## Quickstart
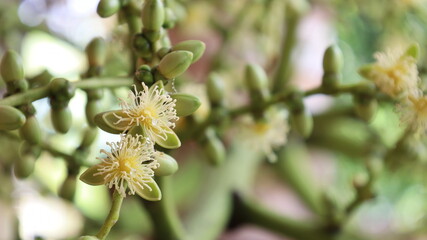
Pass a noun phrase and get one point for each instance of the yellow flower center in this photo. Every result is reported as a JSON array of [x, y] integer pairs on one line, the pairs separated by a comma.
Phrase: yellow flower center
[[261, 127], [126, 164]]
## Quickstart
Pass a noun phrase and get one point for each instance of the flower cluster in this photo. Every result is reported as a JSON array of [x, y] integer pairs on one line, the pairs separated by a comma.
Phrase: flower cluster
[[131, 163]]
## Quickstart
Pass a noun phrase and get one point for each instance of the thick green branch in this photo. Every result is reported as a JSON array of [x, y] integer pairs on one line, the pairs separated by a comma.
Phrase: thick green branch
[[42, 92], [113, 216]]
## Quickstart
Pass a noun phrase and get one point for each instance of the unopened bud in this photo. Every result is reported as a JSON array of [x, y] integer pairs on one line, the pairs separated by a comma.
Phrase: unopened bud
[[11, 118], [107, 8], [89, 137], [174, 64], [11, 68], [365, 108], [256, 78], [24, 164], [196, 47], [144, 75], [61, 89], [31, 131], [215, 88], [142, 46], [185, 104], [168, 165], [332, 60], [170, 18], [96, 52], [61, 119], [214, 148], [92, 108], [68, 188], [153, 15], [302, 122]]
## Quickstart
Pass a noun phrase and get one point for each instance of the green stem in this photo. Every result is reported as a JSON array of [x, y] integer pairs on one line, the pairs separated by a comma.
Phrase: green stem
[[42, 92], [112, 217], [167, 225]]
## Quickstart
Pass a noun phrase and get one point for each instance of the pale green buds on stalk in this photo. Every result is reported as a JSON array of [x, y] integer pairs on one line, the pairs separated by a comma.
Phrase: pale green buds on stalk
[[214, 148], [174, 64], [302, 122], [168, 165], [24, 164], [142, 46], [257, 82], [107, 8], [185, 104], [143, 75], [170, 18], [61, 119], [61, 91], [89, 137], [365, 104], [31, 131], [11, 118], [153, 17], [96, 52], [11, 68], [332, 65], [68, 188], [215, 89], [196, 47], [92, 108]]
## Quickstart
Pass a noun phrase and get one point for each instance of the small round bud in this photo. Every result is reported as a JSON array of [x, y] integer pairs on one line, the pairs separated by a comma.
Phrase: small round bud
[[365, 108], [95, 94], [153, 15], [144, 75], [141, 45], [170, 18], [41, 79], [163, 51], [215, 88], [214, 148], [61, 119], [174, 64], [185, 104], [11, 68], [24, 164], [20, 85], [96, 52], [11, 118], [302, 122], [92, 108], [107, 8], [31, 131], [68, 188], [194, 46], [256, 77], [61, 89], [332, 60], [168, 165]]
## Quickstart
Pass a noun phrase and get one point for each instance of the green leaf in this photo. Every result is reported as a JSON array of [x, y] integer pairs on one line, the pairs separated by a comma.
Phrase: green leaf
[[151, 195], [171, 142], [186, 104], [89, 178], [107, 121]]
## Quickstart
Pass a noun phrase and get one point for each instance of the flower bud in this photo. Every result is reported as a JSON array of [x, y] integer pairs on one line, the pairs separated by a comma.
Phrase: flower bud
[[144, 75], [31, 131], [196, 47], [68, 188], [185, 104], [107, 8], [168, 165], [163, 51], [11, 118], [11, 67], [153, 15], [256, 77], [60, 89], [89, 137], [332, 65], [24, 164], [92, 108], [170, 18], [216, 89], [365, 108], [41, 79], [175, 64], [61, 119], [142, 46], [96, 52], [214, 148], [17, 86], [302, 122]]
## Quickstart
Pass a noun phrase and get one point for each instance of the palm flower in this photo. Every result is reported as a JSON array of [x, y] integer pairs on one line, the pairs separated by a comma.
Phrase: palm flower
[[413, 112], [129, 165]]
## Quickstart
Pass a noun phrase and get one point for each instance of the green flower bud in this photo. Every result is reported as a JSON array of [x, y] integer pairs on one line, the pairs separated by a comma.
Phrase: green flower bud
[[196, 47], [153, 15], [96, 52], [92, 108], [256, 77], [365, 108], [170, 18], [144, 75], [214, 148], [24, 164], [11, 67], [215, 88], [11, 118], [186, 104], [41, 79], [302, 122], [175, 64], [365, 71], [61, 89], [107, 8], [89, 137], [95, 94], [413, 50], [17, 86], [88, 238], [163, 51], [168, 165], [61, 119], [31, 131], [68, 188], [142, 46], [333, 60]]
